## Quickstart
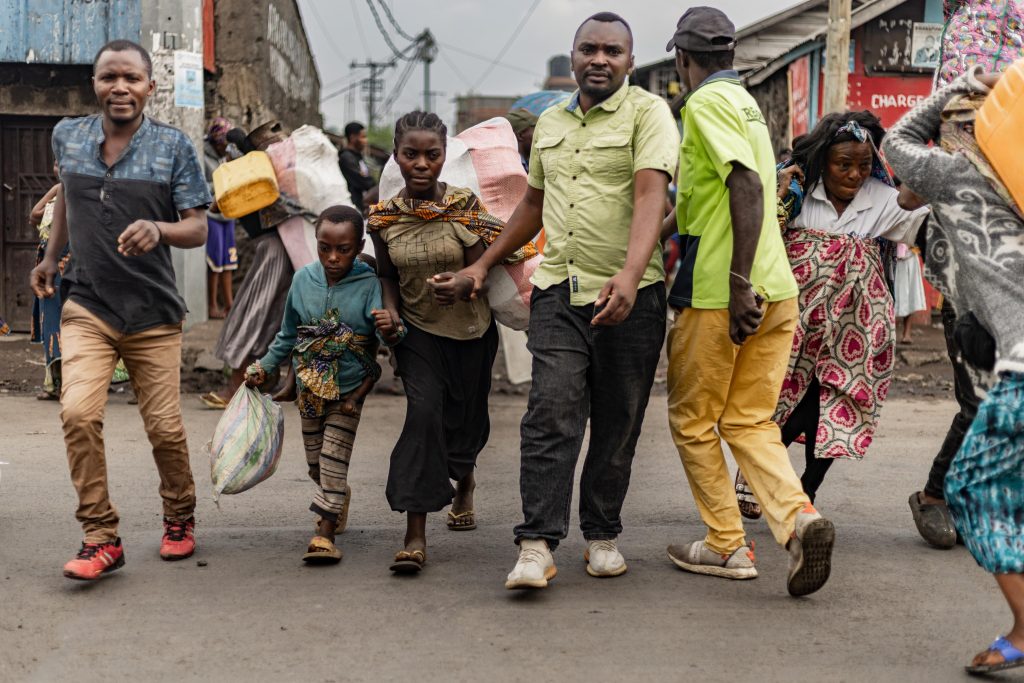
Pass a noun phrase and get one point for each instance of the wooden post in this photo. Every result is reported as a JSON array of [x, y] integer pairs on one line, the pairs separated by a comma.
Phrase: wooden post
[[837, 55]]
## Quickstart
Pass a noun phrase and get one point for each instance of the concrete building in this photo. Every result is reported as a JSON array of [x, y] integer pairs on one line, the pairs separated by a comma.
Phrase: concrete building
[[263, 67]]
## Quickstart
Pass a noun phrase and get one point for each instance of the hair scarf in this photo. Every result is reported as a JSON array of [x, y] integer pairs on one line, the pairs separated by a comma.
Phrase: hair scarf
[[459, 205]]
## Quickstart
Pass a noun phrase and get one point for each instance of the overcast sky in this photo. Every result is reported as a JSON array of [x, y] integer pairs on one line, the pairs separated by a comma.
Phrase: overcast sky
[[472, 33]]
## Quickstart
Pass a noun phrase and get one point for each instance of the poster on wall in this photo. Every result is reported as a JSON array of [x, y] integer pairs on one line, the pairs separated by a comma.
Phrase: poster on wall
[[188, 79], [800, 97], [924, 45]]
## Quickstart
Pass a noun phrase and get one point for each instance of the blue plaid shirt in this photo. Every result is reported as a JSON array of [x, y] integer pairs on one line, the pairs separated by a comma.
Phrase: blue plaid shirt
[[157, 176]]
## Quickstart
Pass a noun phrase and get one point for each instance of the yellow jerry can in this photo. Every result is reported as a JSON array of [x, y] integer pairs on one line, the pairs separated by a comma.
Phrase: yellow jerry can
[[998, 129], [245, 185]]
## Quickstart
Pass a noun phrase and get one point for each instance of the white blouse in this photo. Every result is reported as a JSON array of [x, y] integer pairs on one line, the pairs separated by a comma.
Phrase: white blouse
[[872, 213]]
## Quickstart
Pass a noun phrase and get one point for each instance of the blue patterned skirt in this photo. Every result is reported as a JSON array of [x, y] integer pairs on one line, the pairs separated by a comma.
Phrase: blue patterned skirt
[[985, 483]]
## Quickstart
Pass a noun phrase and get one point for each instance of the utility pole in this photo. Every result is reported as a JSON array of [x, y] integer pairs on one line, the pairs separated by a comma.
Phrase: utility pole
[[837, 54], [426, 53], [372, 86]]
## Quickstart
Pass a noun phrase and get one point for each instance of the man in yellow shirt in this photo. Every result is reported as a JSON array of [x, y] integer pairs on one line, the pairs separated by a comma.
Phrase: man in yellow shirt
[[737, 310], [599, 171]]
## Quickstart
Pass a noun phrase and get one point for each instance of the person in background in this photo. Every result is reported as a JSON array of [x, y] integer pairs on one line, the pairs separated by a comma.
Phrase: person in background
[[46, 311], [523, 122], [330, 319], [353, 166], [989, 33], [221, 255], [599, 173], [132, 187], [737, 308], [975, 256], [908, 290]]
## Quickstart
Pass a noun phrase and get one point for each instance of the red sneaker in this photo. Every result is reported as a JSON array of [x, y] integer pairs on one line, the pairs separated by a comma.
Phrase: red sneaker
[[179, 539], [94, 560]]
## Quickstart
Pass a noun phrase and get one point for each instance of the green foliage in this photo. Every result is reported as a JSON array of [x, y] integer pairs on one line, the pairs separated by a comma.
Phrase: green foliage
[[381, 137]]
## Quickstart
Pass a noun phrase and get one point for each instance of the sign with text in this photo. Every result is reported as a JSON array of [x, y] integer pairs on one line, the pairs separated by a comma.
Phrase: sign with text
[[799, 97], [188, 79]]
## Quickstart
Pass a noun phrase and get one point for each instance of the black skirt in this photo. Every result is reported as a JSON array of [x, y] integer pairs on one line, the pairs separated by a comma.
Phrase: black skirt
[[447, 382]]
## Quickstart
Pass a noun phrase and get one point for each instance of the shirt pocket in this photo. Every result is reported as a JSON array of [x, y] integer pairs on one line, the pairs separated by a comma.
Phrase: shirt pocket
[[550, 150], [611, 156]]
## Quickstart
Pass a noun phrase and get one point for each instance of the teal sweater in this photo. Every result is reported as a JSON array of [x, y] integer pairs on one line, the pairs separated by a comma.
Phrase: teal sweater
[[310, 299]]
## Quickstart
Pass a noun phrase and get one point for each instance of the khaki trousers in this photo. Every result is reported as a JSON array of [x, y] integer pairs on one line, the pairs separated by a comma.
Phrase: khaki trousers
[[713, 384], [90, 349]]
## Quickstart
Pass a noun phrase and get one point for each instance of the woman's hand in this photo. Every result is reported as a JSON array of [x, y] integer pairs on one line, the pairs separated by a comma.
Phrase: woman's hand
[[451, 287], [786, 177]]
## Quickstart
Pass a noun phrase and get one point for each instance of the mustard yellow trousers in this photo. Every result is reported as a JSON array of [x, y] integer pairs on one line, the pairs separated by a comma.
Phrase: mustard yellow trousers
[[719, 391]]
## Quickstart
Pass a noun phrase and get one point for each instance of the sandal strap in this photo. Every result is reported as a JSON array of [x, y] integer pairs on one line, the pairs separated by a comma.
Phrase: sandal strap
[[1007, 649], [460, 515], [321, 543]]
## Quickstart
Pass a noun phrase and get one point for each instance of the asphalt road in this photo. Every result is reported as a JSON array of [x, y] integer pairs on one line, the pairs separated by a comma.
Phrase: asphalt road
[[894, 610]]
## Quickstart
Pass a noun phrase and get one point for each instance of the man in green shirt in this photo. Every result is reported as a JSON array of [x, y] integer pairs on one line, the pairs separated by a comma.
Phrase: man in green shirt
[[599, 171], [736, 301]]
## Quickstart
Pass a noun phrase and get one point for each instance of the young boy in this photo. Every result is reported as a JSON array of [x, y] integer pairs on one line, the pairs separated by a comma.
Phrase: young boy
[[330, 319]]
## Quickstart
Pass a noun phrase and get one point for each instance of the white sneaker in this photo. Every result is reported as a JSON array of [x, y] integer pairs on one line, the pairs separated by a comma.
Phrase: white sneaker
[[535, 567], [696, 557], [604, 559]]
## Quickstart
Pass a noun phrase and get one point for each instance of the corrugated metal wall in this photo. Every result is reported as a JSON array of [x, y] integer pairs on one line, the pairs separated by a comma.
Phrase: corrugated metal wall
[[64, 31]]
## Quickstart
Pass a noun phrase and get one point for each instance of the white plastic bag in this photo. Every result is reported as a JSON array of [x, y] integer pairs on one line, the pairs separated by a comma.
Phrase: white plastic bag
[[246, 446]]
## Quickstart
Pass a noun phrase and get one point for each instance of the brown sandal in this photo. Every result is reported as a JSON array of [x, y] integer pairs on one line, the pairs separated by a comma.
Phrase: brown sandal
[[322, 550], [749, 506], [462, 521], [408, 561]]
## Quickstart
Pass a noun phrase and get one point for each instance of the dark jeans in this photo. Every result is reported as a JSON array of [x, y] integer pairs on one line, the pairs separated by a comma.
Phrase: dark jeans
[[804, 420], [580, 372], [963, 389]]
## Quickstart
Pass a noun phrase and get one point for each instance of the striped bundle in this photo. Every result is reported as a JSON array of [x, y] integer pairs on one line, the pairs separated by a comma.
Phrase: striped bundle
[[246, 444]]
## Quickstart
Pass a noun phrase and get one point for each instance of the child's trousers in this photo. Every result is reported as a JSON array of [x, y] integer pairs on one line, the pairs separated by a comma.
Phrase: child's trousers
[[328, 442]]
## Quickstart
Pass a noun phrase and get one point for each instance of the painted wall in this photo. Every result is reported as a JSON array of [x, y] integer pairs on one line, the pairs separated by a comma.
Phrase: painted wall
[[63, 31]]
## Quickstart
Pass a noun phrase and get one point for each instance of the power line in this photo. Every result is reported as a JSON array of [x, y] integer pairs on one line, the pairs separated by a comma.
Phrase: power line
[[341, 91], [508, 43], [399, 54], [469, 53], [391, 18], [454, 68]]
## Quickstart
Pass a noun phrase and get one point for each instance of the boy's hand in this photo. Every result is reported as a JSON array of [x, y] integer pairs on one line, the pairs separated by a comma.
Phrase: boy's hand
[[451, 287], [348, 406], [388, 324], [255, 375]]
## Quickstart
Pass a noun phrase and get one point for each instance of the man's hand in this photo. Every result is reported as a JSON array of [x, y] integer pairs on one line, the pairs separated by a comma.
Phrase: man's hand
[[615, 300], [139, 238], [744, 312], [451, 287], [41, 278], [388, 324], [477, 274]]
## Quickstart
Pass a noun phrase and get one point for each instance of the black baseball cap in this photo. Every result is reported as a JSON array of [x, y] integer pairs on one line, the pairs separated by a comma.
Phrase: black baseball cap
[[703, 29]]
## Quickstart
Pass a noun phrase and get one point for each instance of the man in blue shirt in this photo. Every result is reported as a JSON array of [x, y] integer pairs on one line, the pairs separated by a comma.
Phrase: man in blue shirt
[[131, 187]]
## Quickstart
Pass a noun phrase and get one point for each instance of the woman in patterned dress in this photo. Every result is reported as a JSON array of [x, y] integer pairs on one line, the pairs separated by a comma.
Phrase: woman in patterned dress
[[839, 213]]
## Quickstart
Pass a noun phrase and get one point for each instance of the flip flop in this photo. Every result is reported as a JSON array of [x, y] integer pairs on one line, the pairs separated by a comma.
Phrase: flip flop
[[461, 521], [213, 401], [408, 562], [322, 550], [1012, 658]]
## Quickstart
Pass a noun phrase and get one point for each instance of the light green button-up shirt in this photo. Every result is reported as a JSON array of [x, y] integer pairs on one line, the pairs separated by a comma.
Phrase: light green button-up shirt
[[585, 164]]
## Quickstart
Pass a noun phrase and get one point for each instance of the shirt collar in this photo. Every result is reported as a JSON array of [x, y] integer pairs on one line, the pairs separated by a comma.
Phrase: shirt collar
[[136, 136], [862, 201], [611, 104], [723, 75]]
